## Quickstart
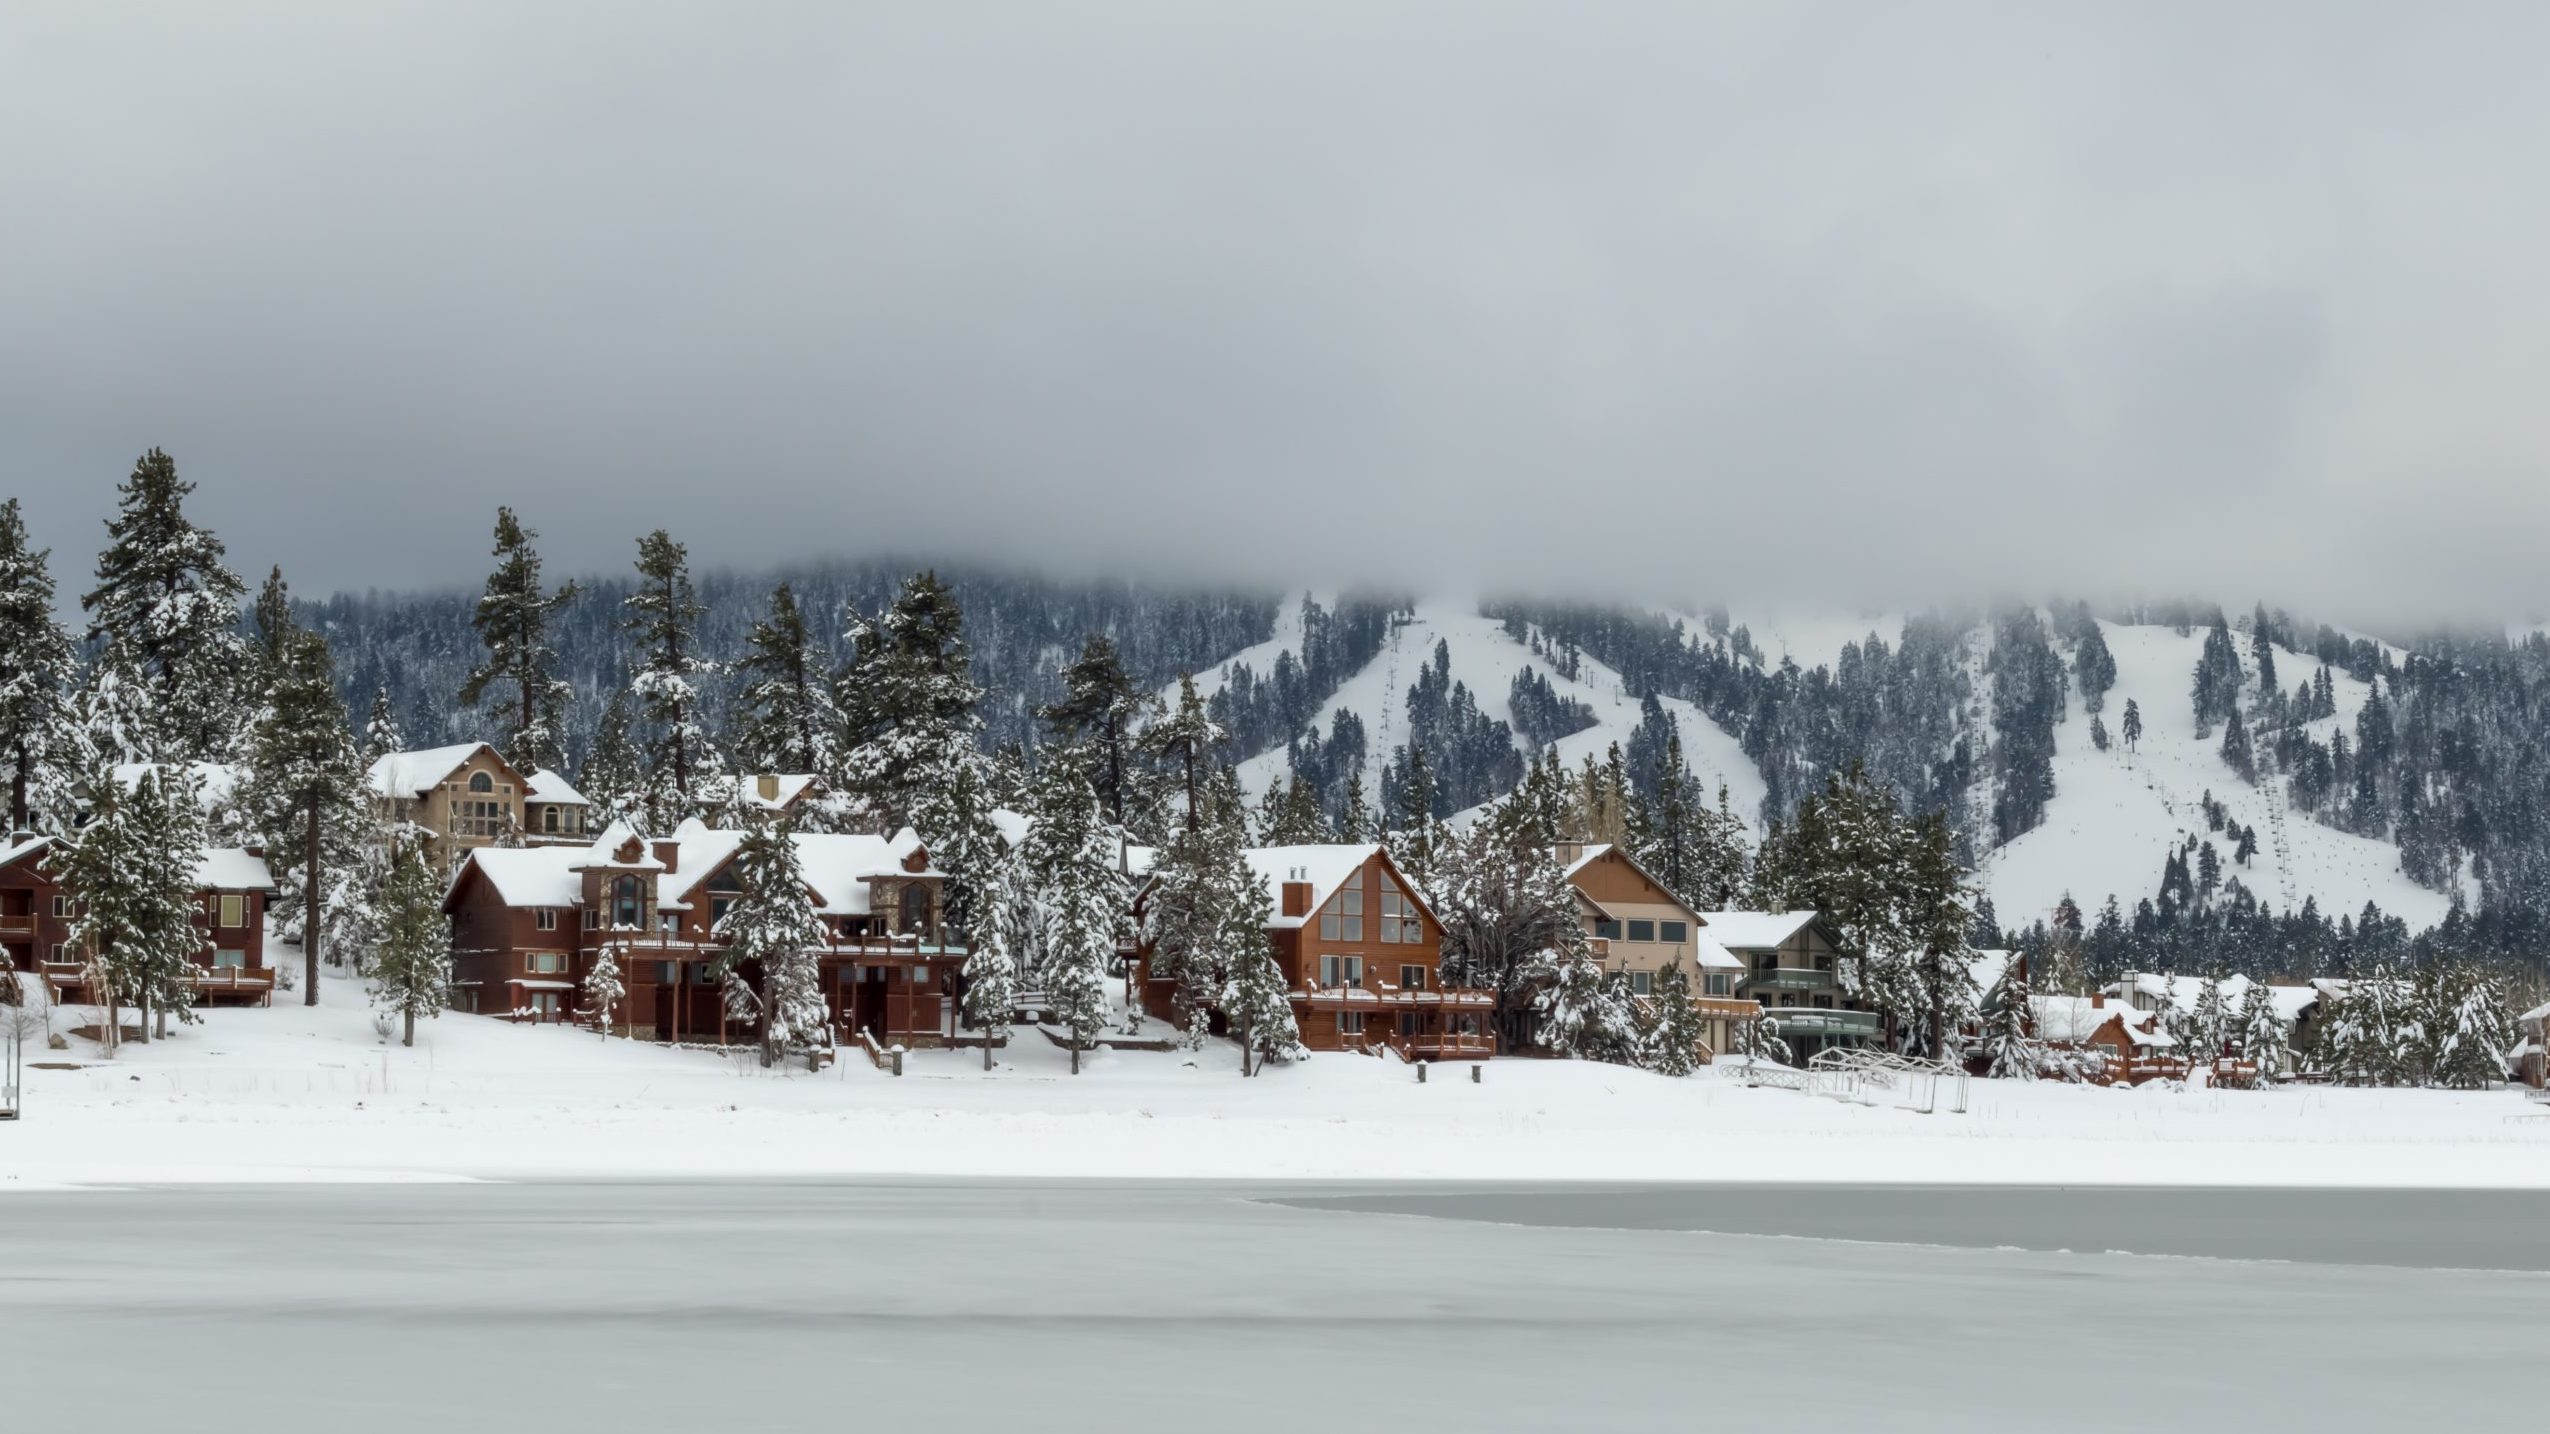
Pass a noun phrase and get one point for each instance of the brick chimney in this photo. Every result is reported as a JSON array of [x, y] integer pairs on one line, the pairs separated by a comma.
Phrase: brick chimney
[[1297, 898], [2098, 1002], [669, 852]]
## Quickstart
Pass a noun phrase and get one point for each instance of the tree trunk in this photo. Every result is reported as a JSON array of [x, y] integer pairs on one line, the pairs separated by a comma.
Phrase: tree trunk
[[310, 910], [407, 1032], [18, 784], [987, 1048], [142, 1029], [1075, 1054]]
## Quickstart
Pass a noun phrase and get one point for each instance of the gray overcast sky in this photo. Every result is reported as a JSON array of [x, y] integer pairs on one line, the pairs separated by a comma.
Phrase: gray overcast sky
[[1847, 302]]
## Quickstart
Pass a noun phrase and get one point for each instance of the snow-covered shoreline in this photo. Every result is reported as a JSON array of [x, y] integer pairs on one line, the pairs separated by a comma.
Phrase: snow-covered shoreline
[[294, 1094]]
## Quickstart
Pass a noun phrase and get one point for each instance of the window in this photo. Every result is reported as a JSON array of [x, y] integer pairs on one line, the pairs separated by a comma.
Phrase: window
[[230, 960], [668, 923], [1642, 931], [1606, 930], [1399, 919], [1823, 963], [1823, 1003], [1767, 961], [1350, 1023], [234, 910], [61, 908], [544, 1003], [628, 902], [481, 782], [915, 907], [549, 819], [1716, 983], [717, 906], [1412, 978], [545, 963], [547, 918], [1642, 983], [1673, 932], [592, 920], [1341, 971], [1342, 919]]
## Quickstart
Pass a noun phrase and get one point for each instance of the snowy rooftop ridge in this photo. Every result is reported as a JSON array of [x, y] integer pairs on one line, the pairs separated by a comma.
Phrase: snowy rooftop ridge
[[413, 774], [1754, 930], [552, 788], [1325, 866]]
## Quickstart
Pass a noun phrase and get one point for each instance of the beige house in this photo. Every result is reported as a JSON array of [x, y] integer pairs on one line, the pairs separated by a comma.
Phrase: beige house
[[1794, 965], [459, 798], [1639, 928]]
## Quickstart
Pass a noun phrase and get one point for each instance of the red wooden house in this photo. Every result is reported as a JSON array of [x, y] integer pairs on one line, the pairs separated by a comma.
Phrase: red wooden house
[[232, 886], [529, 923], [1360, 952]]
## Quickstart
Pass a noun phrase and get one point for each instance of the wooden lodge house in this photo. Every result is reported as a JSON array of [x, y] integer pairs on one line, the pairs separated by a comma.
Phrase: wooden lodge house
[[461, 798], [528, 924], [1639, 928], [232, 887], [1359, 951]]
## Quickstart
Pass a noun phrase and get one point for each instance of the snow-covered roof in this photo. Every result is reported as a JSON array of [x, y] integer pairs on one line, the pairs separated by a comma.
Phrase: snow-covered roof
[[1754, 930], [785, 787], [2537, 1013], [553, 789], [1591, 852], [2182, 992], [413, 774], [1325, 866], [2072, 1020], [531, 875], [13, 852], [1712, 956], [1987, 968], [230, 868], [605, 850]]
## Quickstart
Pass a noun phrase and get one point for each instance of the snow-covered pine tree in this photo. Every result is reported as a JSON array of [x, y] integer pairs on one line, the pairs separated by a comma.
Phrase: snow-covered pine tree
[[1417, 836], [1070, 860], [786, 717], [662, 615], [521, 668], [2259, 1035], [165, 614], [35, 668], [1183, 744], [2132, 729], [1103, 710], [380, 731], [1255, 999], [2473, 1030], [1669, 1043], [131, 871], [412, 968], [772, 935], [1354, 819], [603, 988], [952, 811], [2009, 1035], [305, 791], [271, 627], [905, 698], [990, 974], [614, 774]]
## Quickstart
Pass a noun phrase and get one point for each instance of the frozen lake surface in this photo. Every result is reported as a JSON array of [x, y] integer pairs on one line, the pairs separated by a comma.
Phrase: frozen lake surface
[[1063, 1306]]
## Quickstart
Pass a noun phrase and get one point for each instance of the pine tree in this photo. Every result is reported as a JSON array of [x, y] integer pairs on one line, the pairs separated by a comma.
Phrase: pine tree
[[906, 698], [412, 970], [990, 974], [2236, 750], [1510, 919], [2260, 1034], [2098, 733], [1101, 708], [614, 775], [2009, 1038], [272, 618], [381, 736], [305, 791], [662, 615], [131, 871], [768, 969], [1260, 1008], [1355, 820], [603, 988], [2472, 1028], [35, 667], [165, 611], [512, 621], [1201, 883], [1072, 864], [788, 720], [1670, 1043], [1184, 742], [1417, 837], [2133, 730], [1583, 1011], [2094, 668]]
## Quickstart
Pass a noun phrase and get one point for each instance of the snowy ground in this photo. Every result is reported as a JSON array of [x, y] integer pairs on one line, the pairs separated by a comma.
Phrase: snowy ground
[[1147, 1306], [2115, 813], [293, 1094]]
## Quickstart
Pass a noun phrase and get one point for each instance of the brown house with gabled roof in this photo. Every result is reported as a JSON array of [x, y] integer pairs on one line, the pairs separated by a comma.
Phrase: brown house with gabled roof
[[232, 886], [529, 923], [1639, 928], [1360, 953]]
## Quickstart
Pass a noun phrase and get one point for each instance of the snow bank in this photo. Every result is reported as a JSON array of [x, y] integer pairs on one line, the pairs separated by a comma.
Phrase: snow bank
[[291, 1093]]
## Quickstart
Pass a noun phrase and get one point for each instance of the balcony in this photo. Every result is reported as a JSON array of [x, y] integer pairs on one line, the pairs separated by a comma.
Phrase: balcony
[[1788, 978], [1809, 1021], [1733, 1007], [1383, 994]]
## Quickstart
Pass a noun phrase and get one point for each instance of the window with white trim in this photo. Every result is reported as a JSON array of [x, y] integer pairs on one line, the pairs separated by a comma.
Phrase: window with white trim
[[1412, 978], [1641, 930], [1400, 922], [1642, 983], [1336, 971], [546, 918], [545, 963], [234, 910], [1673, 933]]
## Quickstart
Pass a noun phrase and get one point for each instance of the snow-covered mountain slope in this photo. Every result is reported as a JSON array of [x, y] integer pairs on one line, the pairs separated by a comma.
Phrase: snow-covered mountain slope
[[1810, 639], [2115, 813], [1485, 658], [1259, 657]]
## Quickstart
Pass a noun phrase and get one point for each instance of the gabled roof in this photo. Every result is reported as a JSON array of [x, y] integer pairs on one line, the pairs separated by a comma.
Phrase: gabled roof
[[552, 789], [13, 852], [1754, 930], [413, 774], [2072, 1020], [1325, 866], [2182, 992], [786, 787], [1598, 851], [605, 850], [526, 875]]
